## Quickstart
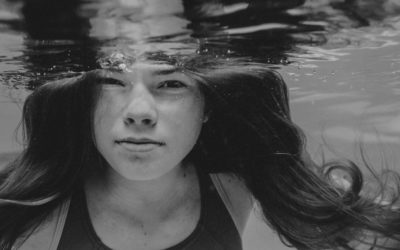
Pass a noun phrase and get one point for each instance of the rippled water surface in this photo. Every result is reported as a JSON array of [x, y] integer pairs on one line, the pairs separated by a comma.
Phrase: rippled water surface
[[340, 59]]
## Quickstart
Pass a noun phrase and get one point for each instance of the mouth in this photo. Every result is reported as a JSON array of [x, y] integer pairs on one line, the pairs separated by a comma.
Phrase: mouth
[[139, 144], [139, 141]]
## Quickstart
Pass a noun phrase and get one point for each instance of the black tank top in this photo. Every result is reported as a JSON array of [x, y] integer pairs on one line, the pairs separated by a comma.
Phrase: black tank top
[[215, 229]]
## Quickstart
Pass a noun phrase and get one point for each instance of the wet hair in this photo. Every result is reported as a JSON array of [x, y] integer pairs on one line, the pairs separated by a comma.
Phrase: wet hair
[[249, 134], [300, 200]]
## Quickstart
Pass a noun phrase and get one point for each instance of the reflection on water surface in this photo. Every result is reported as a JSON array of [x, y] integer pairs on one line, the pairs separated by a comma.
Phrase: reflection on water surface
[[340, 58]]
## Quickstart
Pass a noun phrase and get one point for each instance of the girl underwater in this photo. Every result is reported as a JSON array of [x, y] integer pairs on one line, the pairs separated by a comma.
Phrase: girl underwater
[[161, 155]]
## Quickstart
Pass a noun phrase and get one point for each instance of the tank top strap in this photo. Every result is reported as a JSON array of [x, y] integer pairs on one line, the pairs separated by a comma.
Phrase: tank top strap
[[236, 197], [47, 236], [61, 218]]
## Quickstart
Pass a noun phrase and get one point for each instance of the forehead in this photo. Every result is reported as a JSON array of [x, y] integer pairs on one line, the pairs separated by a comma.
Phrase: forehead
[[130, 60], [151, 68], [146, 67], [139, 65], [149, 71]]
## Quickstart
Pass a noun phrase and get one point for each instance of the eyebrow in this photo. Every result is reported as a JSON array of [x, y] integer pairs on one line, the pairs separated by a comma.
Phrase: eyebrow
[[166, 71]]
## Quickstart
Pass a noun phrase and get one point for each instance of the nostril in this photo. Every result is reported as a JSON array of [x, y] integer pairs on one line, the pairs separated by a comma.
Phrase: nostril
[[129, 120], [144, 121], [147, 121]]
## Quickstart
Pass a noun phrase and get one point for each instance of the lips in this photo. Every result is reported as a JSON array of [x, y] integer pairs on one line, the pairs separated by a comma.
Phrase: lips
[[139, 141], [139, 144]]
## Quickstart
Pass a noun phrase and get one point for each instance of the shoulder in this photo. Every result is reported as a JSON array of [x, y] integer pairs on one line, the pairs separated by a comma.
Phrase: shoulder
[[236, 197], [47, 234]]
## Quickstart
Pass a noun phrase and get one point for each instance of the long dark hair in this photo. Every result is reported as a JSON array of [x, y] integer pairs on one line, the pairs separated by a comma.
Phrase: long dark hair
[[249, 134], [59, 152]]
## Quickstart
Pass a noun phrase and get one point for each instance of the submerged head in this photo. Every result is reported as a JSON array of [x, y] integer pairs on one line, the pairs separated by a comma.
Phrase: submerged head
[[146, 120]]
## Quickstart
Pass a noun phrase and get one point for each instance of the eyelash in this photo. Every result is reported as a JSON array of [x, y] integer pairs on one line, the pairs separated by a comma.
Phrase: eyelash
[[170, 84], [111, 81], [178, 84]]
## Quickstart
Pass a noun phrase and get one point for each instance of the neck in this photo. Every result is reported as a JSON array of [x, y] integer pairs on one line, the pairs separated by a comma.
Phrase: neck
[[113, 191]]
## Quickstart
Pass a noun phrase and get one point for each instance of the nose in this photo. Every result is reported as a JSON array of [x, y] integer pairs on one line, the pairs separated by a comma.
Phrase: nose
[[140, 111]]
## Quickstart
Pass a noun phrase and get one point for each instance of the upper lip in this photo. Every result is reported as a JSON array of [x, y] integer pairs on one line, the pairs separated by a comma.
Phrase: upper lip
[[135, 140]]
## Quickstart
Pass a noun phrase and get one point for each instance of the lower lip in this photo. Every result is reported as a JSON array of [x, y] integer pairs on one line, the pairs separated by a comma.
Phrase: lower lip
[[139, 148]]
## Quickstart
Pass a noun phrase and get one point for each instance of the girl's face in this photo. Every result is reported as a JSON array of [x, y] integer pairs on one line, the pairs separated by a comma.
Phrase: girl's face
[[147, 120]]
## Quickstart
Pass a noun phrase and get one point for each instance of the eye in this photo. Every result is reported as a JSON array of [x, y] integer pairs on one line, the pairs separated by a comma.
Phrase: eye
[[112, 81], [172, 84]]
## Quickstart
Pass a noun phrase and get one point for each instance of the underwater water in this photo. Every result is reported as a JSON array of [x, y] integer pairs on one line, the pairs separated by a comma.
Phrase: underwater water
[[340, 60]]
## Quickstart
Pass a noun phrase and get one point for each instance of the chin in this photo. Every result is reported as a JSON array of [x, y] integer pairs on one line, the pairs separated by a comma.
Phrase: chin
[[143, 173]]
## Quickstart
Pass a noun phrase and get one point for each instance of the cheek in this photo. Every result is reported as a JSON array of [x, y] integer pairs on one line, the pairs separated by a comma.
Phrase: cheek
[[188, 121], [195, 112], [100, 116], [106, 108], [103, 118]]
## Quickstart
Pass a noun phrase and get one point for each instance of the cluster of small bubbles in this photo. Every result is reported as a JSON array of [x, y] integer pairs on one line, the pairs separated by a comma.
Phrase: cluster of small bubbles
[[116, 60], [40, 74], [284, 61], [217, 52], [202, 51]]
